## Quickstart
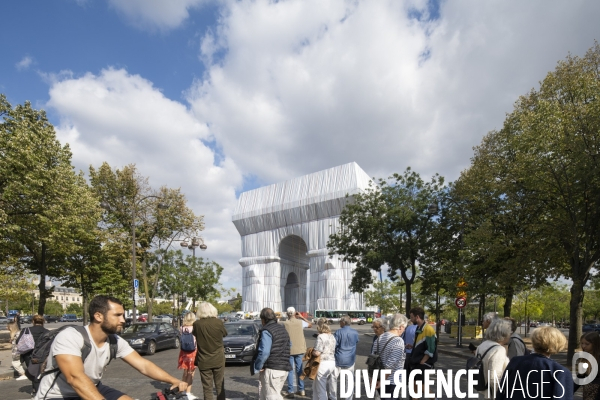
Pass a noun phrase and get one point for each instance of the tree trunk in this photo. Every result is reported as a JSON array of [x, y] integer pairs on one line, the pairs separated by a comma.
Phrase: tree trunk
[[408, 296], [508, 295], [575, 318], [438, 325], [146, 290], [42, 285]]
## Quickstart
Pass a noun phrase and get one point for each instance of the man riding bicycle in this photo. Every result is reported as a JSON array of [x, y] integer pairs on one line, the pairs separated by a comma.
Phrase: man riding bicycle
[[77, 379]]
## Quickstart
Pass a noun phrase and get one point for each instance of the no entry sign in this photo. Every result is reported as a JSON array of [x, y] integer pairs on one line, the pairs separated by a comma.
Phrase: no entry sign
[[460, 302]]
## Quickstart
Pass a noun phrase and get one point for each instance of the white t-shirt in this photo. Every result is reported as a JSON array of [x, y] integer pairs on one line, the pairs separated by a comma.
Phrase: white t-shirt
[[70, 342]]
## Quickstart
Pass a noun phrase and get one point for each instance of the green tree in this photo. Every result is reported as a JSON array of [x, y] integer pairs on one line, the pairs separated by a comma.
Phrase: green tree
[[42, 200], [554, 133], [388, 223], [75, 308], [124, 193], [386, 296], [190, 276], [53, 307], [15, 287]]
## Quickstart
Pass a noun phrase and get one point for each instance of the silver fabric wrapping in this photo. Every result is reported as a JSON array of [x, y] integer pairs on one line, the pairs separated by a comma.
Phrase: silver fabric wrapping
[[284, 230]]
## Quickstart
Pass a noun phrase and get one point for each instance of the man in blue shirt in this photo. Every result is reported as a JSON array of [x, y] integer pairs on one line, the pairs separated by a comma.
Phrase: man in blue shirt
[[272, 359], [346, 339], [409, 339]]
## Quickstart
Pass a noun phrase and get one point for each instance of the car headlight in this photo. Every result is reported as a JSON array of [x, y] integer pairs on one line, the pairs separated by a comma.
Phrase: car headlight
[[137, 341], [250, 347]]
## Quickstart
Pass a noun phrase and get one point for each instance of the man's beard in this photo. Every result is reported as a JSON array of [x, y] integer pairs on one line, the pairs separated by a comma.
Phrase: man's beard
[[110, 329]]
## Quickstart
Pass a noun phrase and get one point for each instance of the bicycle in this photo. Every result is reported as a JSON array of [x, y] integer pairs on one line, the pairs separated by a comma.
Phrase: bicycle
[[168, 394]]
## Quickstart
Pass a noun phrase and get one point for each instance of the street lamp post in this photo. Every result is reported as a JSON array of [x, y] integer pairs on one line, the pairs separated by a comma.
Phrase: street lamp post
[[193, 243]]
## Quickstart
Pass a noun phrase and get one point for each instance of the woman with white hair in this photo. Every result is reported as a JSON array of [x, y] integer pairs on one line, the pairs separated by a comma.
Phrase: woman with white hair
[[493, 354], [390, 348], [210, 357]]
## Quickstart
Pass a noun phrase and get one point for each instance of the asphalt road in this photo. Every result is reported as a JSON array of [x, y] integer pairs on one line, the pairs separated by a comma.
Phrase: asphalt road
[[238, 381]]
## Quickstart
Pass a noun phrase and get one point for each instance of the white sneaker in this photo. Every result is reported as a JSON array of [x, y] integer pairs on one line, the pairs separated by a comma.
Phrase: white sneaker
[[21, 378], [190, 396]]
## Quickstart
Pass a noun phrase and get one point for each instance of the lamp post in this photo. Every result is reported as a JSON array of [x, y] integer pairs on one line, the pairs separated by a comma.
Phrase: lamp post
[[135, 284], [192, 243]]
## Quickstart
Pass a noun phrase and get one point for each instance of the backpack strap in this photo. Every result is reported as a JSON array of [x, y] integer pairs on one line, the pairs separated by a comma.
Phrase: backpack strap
[[85, 351], [114, 347], [485, 352]]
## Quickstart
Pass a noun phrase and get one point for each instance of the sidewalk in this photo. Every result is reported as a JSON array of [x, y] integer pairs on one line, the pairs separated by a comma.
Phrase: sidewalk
[[6, 369]]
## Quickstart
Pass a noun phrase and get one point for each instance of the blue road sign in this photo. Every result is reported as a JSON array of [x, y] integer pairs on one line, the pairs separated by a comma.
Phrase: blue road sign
[[136, 283]]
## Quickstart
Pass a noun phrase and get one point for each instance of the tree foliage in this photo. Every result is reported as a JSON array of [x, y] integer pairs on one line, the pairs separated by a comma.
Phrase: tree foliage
[[127, 197], [43, 202], [389, 223], [546, 160], [191, 276]]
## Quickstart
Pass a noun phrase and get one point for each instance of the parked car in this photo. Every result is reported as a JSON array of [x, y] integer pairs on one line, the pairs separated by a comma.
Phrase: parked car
[[240, 342], [51, 318], [163, 318], [151, 336], [3, 320], [26, 319], [590, 328], [68, 318]]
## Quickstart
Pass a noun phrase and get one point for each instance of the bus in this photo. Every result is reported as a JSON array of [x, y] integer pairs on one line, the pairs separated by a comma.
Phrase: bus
[[359, 317]]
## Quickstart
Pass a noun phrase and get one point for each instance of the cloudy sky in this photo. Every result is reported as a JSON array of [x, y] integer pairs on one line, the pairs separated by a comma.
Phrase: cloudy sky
[[218, 97]]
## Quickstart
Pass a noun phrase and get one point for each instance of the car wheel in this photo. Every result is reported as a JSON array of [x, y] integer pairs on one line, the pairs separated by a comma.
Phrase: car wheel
[[177, 343], [361, 322], [330, 322], [151, 348]]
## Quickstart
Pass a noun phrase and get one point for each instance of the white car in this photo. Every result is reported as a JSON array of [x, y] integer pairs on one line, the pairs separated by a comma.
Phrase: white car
[[162, 318]]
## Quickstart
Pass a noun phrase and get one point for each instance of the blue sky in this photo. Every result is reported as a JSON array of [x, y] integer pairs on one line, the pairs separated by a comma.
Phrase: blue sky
[[62, 35], [220, 97]]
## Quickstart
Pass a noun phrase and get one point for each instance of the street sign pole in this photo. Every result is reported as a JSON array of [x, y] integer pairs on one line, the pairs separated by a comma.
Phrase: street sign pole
[[459, 336], [461, 302]]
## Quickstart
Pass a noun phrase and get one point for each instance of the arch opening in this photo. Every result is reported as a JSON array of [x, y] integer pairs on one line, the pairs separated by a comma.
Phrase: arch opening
[[294, 272]]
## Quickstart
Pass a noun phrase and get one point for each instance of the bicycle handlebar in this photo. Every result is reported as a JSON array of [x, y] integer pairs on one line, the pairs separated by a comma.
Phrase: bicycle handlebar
[[168, 394]]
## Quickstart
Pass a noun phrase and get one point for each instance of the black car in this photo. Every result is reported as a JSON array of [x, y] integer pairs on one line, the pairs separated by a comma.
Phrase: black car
[[590, 328], [147, 337], [240, 342], [51, 318]]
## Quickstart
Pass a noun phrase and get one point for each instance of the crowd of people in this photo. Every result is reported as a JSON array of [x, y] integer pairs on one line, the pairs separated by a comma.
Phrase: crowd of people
[[77, 358]]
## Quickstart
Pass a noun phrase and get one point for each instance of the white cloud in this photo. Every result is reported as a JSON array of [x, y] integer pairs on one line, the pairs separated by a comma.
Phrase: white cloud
[[121, 118], [24, 64], [155, 14], [309, 85]]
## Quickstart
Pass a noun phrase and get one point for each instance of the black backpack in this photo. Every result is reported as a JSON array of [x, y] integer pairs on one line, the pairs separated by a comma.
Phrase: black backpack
[[476, 362], [39, 357]]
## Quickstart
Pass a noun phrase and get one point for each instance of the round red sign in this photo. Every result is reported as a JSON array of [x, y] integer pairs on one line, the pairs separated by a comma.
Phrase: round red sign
[[460, 302]]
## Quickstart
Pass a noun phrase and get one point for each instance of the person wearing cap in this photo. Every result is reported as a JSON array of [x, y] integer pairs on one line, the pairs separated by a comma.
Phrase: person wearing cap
[[295, 326]]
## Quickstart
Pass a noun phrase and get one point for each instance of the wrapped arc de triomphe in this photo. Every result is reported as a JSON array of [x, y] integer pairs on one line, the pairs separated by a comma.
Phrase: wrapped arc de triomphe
[[284, 229]]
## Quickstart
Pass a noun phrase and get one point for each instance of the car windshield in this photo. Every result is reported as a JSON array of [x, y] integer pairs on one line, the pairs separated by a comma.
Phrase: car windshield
[[239, 330], [141, 328]]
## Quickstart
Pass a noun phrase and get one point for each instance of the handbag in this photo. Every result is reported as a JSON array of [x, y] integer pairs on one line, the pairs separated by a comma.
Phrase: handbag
[[374, 360], [26, 343]]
